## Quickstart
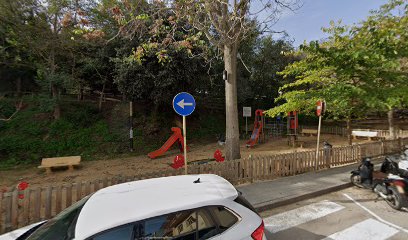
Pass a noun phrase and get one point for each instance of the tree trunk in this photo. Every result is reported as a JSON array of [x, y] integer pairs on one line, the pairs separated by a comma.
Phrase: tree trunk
[[18, 86], [57, 108], [391, 126], [54, 88], [349, 136], [80, 93], [232, 147], [101, 98]]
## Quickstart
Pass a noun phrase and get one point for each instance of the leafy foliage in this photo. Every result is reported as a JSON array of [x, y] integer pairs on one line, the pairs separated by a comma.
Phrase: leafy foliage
[[33, 135], [358, 68]]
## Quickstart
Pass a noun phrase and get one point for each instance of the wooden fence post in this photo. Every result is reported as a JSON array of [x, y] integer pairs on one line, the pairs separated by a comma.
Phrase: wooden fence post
[[37, 205], [58, 199], [78, 191], [359, 153], [7, 213], [250, 169], [48, 202], [26, 207], [1, 213], [400, 144], [14, 209], [382, 148], [68, 195]]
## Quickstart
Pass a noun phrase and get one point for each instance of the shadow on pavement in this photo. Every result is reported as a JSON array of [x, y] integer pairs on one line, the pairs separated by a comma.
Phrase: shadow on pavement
[[293, 233]]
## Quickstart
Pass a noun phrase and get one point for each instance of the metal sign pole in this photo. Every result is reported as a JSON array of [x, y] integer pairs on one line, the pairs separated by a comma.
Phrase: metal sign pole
[[318, 139], [185, 144], [184, 104], [246, 126], [131, 126]]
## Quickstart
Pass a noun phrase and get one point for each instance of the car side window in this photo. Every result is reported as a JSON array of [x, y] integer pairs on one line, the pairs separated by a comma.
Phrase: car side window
[[224, 217], [196, 224], [207, 228], [119, 233], [179, 225]]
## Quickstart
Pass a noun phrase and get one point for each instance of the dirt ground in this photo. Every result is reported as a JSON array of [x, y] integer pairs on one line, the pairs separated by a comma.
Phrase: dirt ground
[[131, 166]]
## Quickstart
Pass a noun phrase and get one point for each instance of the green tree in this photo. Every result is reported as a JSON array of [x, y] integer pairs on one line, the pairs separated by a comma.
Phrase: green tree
[[267, 60], [225, 24], [320, 76], [16, 59], [380, 44], [357, 69]]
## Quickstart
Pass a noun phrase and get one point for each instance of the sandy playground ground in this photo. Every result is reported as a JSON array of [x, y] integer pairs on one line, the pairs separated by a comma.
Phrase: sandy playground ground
[[131, 166]]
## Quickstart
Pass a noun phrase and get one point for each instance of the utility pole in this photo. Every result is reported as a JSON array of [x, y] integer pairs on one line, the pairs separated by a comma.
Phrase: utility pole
[[131, 126]]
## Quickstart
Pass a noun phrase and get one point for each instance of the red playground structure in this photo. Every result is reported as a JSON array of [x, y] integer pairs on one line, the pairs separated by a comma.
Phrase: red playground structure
[[175, 137], [258, 128], [178, 161]]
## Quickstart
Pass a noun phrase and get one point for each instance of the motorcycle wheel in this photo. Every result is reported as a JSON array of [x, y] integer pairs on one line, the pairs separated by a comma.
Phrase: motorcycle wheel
[[396, 201], [356, 180]]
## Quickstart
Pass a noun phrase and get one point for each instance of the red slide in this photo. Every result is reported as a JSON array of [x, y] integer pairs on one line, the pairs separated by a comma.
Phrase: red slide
[[255, 136], [175, 137], [257, 129]]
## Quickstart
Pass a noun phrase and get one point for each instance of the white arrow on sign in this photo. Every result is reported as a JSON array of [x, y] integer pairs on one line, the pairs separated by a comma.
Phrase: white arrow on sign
[[182, 104]]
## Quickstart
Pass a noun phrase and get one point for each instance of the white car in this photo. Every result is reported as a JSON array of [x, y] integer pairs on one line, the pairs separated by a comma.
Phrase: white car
[[185, 207]]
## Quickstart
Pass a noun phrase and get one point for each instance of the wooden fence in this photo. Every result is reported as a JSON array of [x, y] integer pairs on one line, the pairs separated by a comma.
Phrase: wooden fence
[[45, 202], [341, 131]]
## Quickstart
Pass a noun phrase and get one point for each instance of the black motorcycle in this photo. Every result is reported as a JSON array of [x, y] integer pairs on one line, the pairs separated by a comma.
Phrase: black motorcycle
[[392, 188], [363, 176]]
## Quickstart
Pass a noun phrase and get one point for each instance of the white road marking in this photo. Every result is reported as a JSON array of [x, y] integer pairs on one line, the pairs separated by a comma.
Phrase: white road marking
[[286, 220], [375, 215], [368, 229]]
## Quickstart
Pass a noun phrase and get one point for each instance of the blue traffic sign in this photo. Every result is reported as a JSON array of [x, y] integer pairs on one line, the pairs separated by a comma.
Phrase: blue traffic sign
[[184, 104]]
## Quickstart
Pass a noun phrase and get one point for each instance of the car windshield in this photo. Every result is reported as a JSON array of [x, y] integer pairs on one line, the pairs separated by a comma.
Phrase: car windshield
[[62, 226]]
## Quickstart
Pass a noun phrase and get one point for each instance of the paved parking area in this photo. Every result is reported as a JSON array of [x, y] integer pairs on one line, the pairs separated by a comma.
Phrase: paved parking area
[[352, 213]]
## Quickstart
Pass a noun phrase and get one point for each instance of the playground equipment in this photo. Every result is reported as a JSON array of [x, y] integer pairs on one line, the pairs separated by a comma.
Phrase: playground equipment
[[292, 127], [275, 127], [258, 128], [175, 137], [218, 156], [178, 161]]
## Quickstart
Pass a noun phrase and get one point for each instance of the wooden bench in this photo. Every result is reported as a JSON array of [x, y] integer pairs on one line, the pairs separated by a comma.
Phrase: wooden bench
[[371, 135], [69, 162], [310, 132]]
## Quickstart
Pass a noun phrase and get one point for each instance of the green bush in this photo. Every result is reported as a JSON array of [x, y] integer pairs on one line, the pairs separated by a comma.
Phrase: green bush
[[33, 134], [82, 130], [6, 109]]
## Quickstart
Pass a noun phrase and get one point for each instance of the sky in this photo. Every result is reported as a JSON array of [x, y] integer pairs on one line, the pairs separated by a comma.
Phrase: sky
[[306, 23]]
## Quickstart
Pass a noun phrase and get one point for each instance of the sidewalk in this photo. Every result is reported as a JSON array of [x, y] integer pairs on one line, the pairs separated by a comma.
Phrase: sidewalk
[[287, 190]]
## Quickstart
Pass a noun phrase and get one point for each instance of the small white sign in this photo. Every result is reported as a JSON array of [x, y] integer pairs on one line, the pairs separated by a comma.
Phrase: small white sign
[[247, 111]]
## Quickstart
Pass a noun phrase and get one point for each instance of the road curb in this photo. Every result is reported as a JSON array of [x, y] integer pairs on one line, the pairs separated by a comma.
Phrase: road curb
[[287, 201]]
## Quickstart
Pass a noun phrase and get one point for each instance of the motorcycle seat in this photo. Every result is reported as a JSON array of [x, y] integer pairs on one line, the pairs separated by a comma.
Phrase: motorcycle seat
[[379, 175]]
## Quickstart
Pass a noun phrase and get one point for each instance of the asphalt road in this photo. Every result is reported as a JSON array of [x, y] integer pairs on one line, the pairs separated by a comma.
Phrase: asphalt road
[[353, 213]]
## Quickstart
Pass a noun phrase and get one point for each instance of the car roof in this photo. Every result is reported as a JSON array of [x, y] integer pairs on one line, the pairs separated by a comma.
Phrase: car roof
[[133, 201]]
